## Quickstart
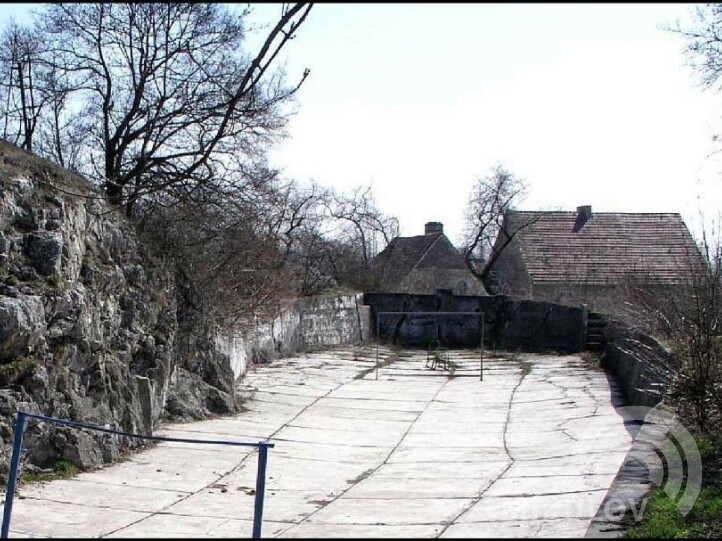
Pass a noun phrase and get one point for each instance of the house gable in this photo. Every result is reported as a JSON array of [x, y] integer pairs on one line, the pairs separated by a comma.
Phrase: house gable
[[400, 257], [442, 254], [424, 263]]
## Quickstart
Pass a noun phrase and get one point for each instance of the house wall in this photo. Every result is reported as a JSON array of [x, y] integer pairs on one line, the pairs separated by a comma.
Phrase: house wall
[[596, 298], [429, 280], [623, 301]]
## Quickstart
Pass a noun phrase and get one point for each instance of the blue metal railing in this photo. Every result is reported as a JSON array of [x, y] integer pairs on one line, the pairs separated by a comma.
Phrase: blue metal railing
[[21, 421]]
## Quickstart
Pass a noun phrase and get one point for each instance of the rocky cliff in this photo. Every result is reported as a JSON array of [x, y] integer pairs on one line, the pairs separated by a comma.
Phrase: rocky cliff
[[93, 326]]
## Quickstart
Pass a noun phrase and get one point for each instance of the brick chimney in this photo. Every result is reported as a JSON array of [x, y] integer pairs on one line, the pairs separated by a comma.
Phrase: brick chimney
[[432, 228], [584, 214]]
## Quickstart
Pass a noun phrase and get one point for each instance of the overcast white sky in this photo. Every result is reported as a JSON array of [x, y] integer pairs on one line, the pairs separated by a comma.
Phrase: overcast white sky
[[590, 103]]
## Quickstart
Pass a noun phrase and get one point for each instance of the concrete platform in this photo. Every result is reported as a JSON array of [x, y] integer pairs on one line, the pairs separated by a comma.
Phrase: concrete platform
[[416, 453]]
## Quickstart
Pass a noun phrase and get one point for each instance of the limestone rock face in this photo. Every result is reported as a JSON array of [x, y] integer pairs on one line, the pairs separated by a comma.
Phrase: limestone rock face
[[89, 327], [22, 324]]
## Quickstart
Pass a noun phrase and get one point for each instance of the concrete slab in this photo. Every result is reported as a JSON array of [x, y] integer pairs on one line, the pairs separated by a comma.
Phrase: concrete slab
[[324, 451], [345, 424], [168, 525], [604, 463], [374, 405], [567, 448], [448, 454], [228, 427], [335, 410], [48, 518], [244, 529], [443, 470], [298, 474], [441, 439], [581, 505], [372, 436], [125, 498], [286, 403], [553, 528], [430, 423], [279, 505], [389, 511], [402, 488], [373, 531], [535, 486], [470, 416], [409, 455], [159, 475]]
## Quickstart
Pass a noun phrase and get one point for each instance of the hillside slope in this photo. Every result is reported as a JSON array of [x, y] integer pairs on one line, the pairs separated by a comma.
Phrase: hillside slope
[[92, 325]]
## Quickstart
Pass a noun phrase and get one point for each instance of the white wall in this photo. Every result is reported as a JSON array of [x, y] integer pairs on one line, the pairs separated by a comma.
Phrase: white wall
[[299, 325]]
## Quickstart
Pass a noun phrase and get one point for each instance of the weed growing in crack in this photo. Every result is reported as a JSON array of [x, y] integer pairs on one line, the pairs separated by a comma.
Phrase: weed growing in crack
[[526, 367], [360, 477]]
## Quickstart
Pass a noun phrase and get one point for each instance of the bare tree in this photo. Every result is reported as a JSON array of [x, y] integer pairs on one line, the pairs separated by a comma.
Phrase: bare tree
[[328, 238], [296, 217], [22, 99], [361, 223], [488, 231], [700, 339], [703, 40], [62, 129], [170, 97], [688, 316], [227, 257]]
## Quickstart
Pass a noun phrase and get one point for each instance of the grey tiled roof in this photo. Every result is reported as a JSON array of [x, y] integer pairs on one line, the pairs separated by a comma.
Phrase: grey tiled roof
[[422, 251], [609, 247]]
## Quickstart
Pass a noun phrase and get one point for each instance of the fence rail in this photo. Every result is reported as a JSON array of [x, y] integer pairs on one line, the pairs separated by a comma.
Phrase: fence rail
[[20, 424]]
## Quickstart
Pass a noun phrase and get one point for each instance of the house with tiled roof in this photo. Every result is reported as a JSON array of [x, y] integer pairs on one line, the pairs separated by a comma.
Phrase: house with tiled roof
[[590, 258], [423, 264]]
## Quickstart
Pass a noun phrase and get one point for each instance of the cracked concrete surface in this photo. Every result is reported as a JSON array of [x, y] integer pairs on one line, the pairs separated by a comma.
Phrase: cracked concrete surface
[[416, 453]]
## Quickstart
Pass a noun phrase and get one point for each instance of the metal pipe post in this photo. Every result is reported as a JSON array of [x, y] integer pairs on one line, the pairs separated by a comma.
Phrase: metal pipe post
[[13, 474], [378, 339], [481, 350], [260, 489]]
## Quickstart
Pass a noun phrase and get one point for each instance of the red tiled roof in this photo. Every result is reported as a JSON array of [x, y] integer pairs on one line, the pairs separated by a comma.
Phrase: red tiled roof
[[609, 247]]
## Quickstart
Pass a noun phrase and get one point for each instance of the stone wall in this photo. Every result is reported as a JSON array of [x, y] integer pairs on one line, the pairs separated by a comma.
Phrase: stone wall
[[508, 323], [298, 325]]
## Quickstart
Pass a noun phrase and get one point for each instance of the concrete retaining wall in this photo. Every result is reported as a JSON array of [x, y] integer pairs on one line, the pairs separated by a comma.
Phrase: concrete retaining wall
[[640, 364], [298, 325], [508, 323], [641, 368]]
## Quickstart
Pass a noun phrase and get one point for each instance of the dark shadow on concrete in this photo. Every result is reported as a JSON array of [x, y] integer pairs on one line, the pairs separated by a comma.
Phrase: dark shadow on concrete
[[632, 483]]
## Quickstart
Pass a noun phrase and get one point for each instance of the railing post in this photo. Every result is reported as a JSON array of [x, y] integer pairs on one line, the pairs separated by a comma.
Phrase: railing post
[[13, 474], [260, 489], [378, 339], [481, 350]]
